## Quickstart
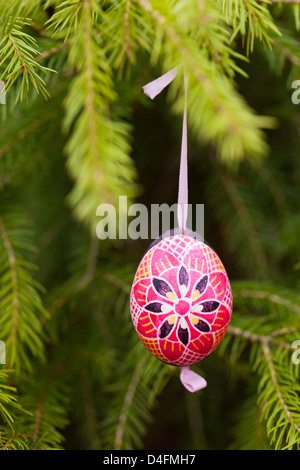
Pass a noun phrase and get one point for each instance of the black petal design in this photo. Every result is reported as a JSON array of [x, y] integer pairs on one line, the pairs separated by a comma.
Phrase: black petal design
[[183, 276], [154, 307], [209, 305], [202, 326], [183, 335], [201, 286], [162, 287], [165, 329]]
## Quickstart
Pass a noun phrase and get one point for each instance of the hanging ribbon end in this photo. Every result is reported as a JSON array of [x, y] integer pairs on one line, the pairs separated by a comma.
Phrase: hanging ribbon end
[[192, 381], [148, 92], [153, 88]]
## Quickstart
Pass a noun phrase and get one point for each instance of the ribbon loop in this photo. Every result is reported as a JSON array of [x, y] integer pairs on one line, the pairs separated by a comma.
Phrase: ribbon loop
[[192, 381], [152, 89]]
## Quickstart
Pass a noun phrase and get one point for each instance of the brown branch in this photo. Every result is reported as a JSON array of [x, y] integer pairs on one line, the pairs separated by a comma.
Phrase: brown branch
[[25, 131], [274, 298], [291, 2], [247, 223], [90, 410], [85, 279], [16, 436], [24, 67], [264, 339], [127, 403], [126, 38], [287, 53], [56, 373], [117, 282], [91, 264], [283, 331], [53, 51], [38, 415]]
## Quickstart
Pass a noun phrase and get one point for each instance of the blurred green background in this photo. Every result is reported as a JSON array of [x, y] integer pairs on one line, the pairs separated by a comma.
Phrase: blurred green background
[[76, 375]]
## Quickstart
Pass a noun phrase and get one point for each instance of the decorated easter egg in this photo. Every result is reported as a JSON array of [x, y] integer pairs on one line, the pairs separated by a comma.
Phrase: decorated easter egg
[[181, 299]]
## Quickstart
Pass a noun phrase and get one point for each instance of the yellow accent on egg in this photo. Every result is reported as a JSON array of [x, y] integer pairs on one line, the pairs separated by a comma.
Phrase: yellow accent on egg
[[171, 295], [194, 319], [195, 295]]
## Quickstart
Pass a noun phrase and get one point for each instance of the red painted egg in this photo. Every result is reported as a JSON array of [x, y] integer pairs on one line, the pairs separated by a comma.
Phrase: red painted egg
[[181, 300]]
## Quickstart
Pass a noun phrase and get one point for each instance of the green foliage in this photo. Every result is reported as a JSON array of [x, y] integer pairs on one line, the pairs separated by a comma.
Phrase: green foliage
[[8, 399], [77, 132], [21, 305], [252, 20], [18, 62], [134, 400]]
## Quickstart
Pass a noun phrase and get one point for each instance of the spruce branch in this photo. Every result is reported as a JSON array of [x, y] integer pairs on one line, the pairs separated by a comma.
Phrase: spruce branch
[[131, 408], [66, 17], [14, 279], [211, 95], [98, 146], [18, 64], [119, 436], [53, 51], [90, 409], [251, 20], [8, 399], [249, 431], [265, 339], [126, 33], [291, 2], [275, 381], [20, 302], [248, 223], [75, 286], [278, 397], [17, 442], [269, 351], [271, 297], [127, 39], [22, 132], [47, 403]]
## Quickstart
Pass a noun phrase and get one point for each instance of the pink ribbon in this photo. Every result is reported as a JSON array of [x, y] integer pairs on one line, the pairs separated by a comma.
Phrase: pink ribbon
[[189, 379], [152, 89], [182, 207]]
